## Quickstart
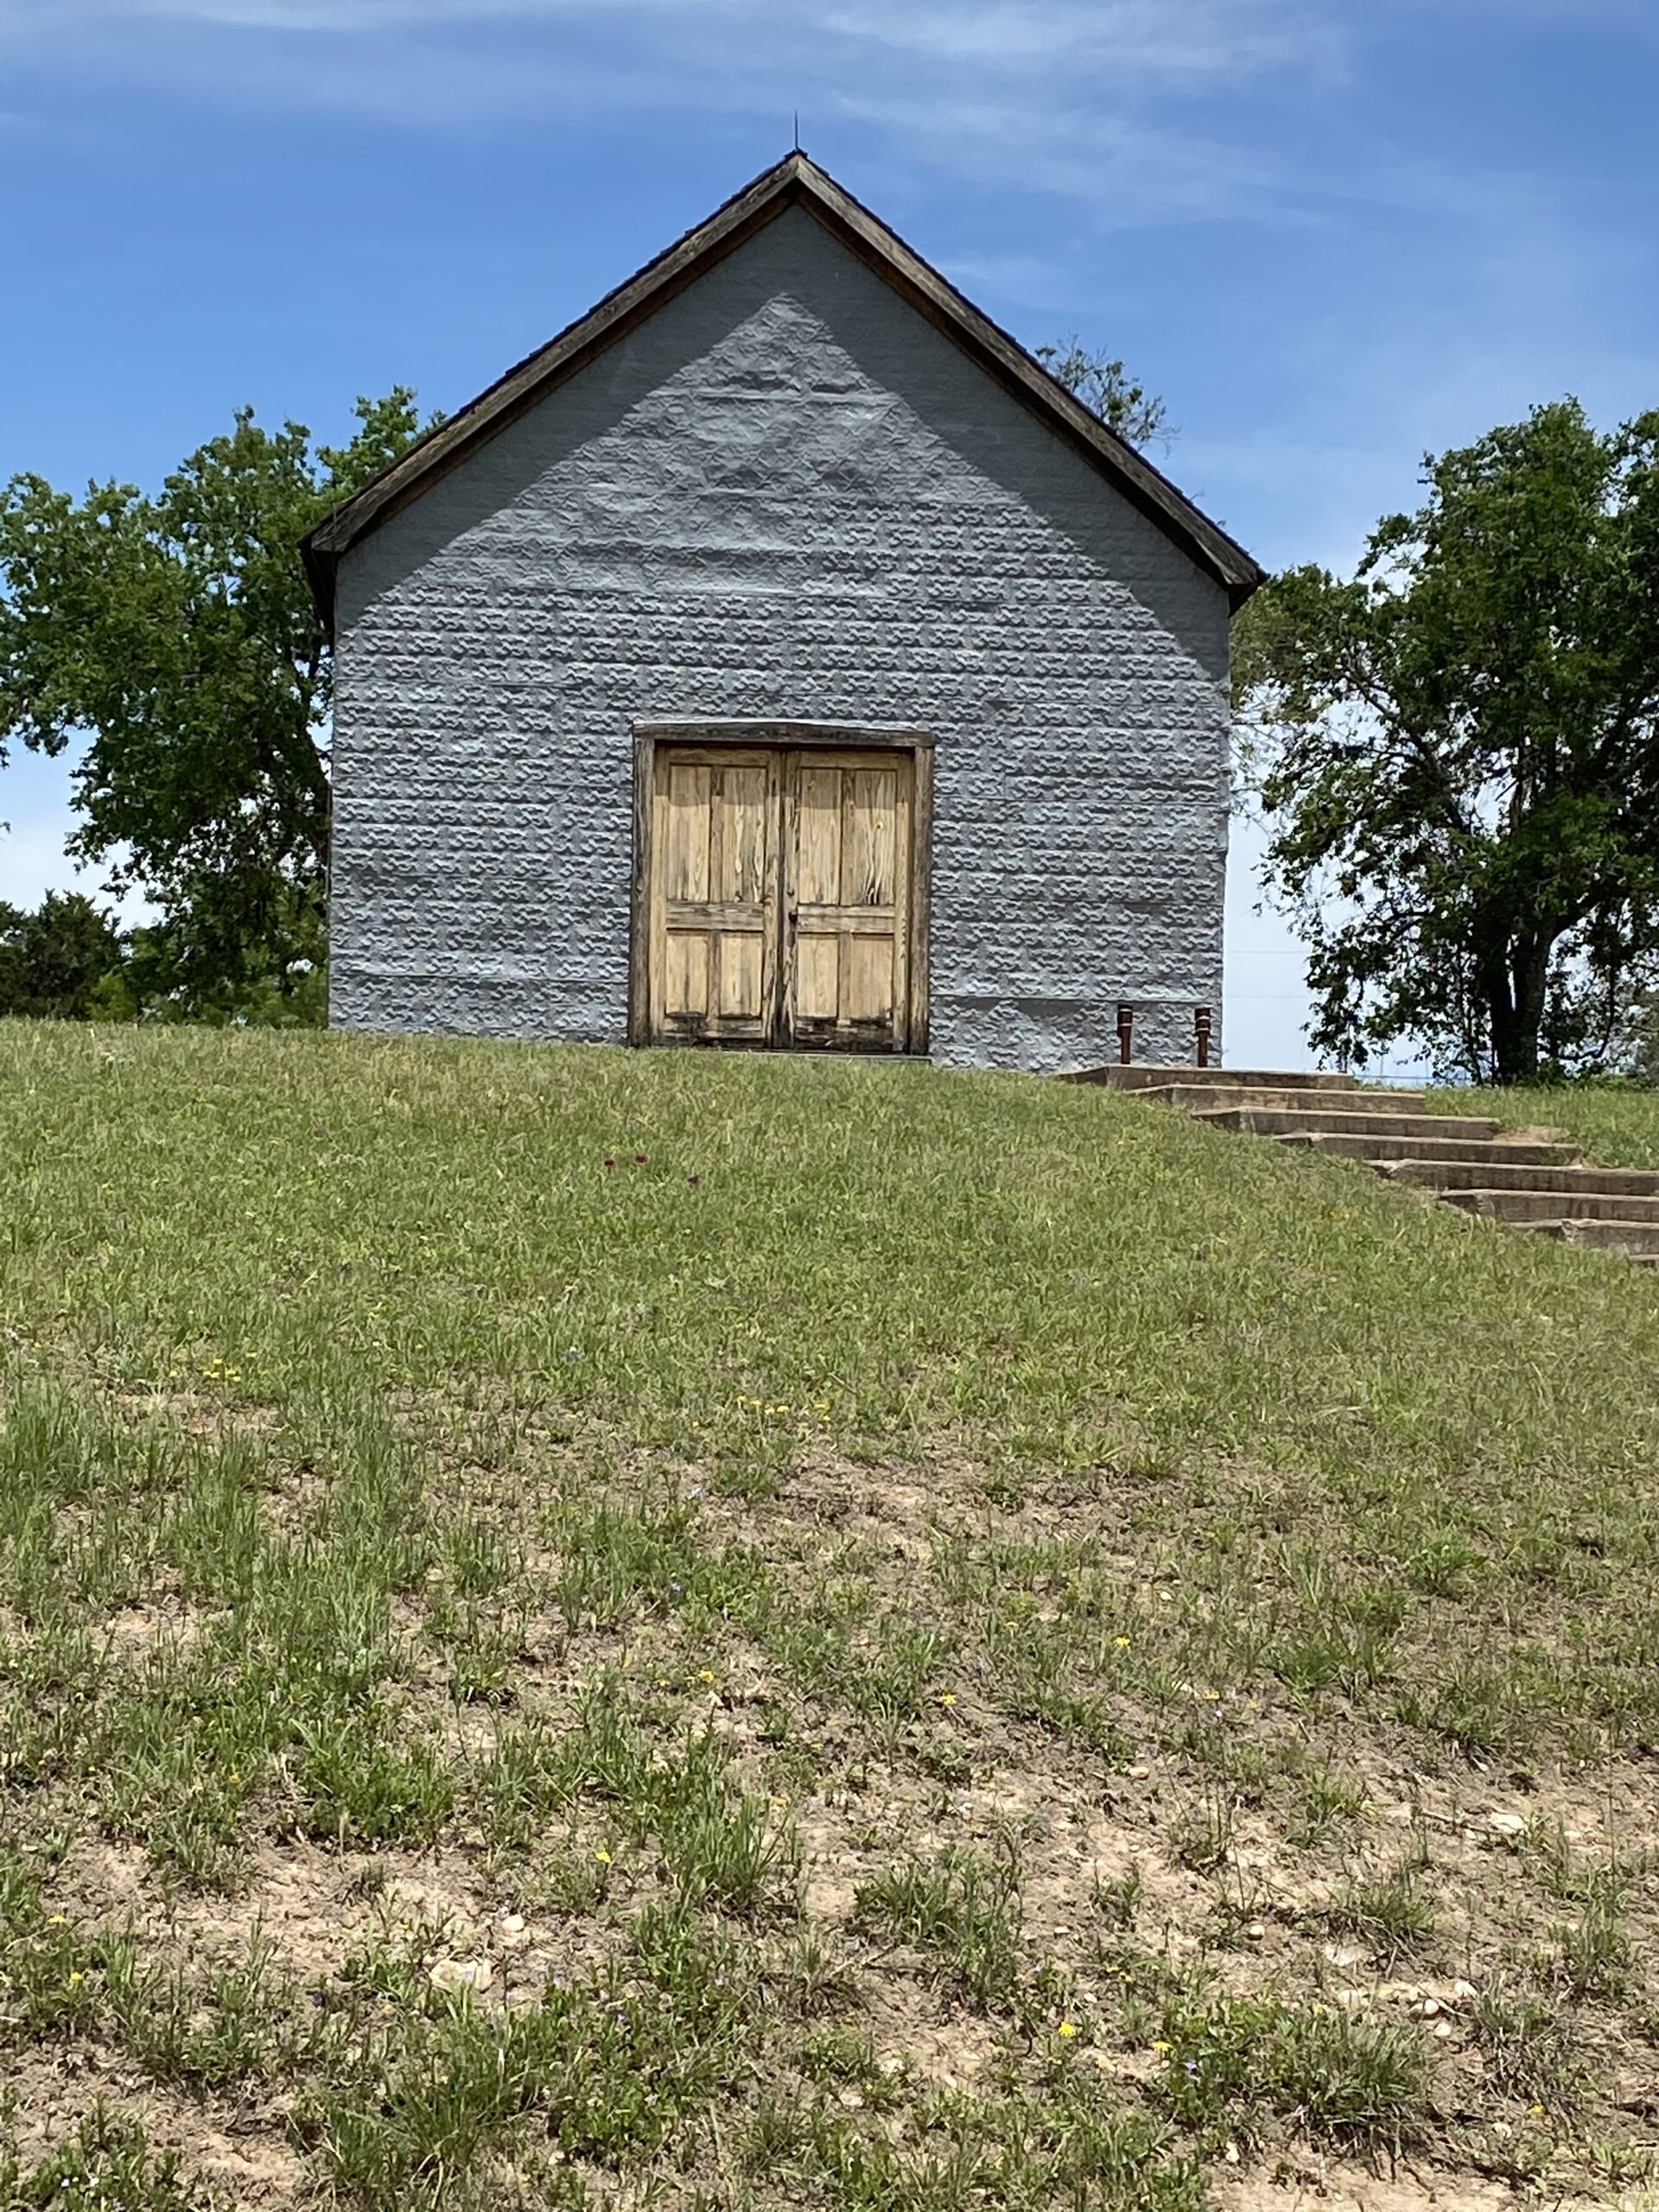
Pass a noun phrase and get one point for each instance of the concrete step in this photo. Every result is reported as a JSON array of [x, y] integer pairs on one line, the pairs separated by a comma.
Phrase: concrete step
[[1201, 1098], [1529, 1209], [1137, 1077], [1637, 1239], [1601, 1182], [1474, 1152], [1245, 1121]]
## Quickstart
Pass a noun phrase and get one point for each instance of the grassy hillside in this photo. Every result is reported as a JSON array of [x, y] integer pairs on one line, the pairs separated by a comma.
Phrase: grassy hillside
[[1617, 1128], [580, 1627]]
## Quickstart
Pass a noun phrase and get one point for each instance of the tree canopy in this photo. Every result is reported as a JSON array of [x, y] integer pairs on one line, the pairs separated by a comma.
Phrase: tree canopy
[[1106, 388], [175, 632], [1458, 749], [55, 961]]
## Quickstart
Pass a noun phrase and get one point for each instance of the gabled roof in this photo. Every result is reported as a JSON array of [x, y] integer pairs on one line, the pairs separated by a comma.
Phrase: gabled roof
[[795, 181]]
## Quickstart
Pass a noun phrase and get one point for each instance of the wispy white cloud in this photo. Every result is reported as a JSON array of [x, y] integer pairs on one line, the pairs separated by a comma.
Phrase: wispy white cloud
[[1138, 109], [1143, 40], [1178, 39], [1066, 94], [1126, 167]]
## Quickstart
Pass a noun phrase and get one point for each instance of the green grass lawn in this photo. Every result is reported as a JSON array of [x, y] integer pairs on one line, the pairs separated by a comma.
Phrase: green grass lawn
[[1617, 1128], [704, 1630]]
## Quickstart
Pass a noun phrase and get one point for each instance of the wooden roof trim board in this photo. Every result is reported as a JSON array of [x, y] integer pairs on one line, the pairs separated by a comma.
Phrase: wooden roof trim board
[[746, 729], [795, 181]]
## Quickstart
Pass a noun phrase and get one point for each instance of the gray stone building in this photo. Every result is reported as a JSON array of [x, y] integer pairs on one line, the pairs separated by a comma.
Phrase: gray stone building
[[780, 657]]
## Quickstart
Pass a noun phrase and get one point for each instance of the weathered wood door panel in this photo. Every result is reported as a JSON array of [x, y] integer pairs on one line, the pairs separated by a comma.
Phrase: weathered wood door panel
[[715, 921], [780, 898], [847, 852]]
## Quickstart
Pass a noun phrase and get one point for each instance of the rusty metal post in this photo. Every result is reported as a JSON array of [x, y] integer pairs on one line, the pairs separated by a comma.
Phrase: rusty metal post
[[1201, 1023], [1125, 1033]]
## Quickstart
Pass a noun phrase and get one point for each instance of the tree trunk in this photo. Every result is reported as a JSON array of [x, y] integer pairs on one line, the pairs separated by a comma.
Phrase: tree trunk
[[1514, 984]]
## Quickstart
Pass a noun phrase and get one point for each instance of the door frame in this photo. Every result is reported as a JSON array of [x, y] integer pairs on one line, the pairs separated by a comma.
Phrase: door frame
[[780, 736]]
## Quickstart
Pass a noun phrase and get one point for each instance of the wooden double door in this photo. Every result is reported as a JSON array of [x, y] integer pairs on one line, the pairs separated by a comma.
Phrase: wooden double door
[[783, 898]]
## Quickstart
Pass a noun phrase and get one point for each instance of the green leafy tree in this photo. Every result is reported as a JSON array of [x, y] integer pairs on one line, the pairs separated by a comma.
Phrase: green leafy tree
[[57, 962], [1106, 388], [1459, 751], [176, 634]]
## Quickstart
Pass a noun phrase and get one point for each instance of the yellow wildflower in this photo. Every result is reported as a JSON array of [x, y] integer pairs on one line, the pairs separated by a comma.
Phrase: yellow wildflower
[[1067, 2029], [1160, 2046], [76, 1977], [603, 1856], [1122, 1643], [947, 1697]]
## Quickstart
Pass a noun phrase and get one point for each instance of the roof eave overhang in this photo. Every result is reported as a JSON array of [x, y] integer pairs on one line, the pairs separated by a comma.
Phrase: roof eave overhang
[[795, 181]]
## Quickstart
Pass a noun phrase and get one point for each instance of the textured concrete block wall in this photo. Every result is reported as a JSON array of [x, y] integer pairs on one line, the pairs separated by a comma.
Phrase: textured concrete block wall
[[785, 494]]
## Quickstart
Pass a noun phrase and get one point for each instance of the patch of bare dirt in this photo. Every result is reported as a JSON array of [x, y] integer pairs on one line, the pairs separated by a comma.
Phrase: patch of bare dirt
[[1337, 2188], [244, 2157]]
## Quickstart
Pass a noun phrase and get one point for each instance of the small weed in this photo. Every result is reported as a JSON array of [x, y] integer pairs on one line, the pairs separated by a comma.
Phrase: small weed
[[1044, 1676], [616, 1561], [365, 1780], [1201, 1836], [960, 1908], [1340, 1635], [1445, 1565], [1472, 1705], [1593, 1957], [1229, 2062], [1526, 2048], [1327, 1800], [894, 1681], [1389, 1912], [54, 1979], [812, 1975], [1621, 2167], [720, 1846], [573, 1880], [483, 1655], [837, 2053], [523, 1784], [1118, 1902]]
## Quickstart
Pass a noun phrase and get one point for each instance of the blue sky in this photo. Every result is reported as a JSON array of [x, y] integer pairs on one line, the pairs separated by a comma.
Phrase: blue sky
[[1332, 233]]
